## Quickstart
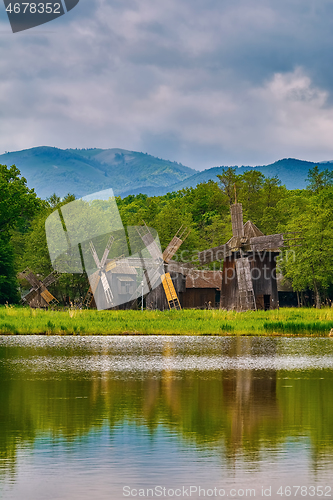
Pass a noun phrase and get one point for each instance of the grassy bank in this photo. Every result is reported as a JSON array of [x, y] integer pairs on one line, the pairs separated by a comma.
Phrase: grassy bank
[[20, 321]]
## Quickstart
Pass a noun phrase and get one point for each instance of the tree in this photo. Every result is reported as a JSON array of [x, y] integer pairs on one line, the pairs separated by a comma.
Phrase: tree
[[18, 204], [32, 251], [17, 201], [310, 265], [8, 282], [228, 180], [319, 180]]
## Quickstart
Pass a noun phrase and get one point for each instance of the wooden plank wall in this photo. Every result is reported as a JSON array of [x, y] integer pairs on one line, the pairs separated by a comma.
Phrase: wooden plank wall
[[198, 298], [263, 269]]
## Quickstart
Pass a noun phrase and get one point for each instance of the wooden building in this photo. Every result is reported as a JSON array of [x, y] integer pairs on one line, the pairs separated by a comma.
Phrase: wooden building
[[263, 277], [249, 265], [203, 290]]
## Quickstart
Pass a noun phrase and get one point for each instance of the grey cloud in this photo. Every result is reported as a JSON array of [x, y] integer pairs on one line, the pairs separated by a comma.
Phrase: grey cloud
[[201, 82]]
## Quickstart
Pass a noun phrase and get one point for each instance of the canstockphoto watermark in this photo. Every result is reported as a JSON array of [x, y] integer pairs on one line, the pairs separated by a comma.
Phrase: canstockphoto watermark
[[188, 491], [24, 15], [191, 256]]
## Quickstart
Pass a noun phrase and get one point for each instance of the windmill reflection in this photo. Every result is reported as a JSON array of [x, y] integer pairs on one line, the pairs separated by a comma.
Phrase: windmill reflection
[[250, 402]]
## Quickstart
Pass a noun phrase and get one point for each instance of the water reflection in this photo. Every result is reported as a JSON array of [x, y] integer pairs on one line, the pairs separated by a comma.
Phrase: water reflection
[[209, 397]]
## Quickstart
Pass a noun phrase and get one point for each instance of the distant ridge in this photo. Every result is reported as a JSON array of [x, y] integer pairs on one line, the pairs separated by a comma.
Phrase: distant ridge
[[84, 171], [291, 172]]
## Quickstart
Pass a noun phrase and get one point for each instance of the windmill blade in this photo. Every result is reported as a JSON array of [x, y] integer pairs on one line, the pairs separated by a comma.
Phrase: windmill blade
[[272, 242], [48, 297], [293, 239], [106, 288], [213, 254], [245, 287], [174, 244], [94, 280], [237, 220], [94, 254], [152, 275], [30, 277], [150, 242], [51, 278], [107, 250], [27, 299], [171, 249], [170, 292]]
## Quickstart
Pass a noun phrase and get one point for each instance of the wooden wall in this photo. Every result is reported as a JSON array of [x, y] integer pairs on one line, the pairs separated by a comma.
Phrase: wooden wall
[[195, 298], [263, 271]]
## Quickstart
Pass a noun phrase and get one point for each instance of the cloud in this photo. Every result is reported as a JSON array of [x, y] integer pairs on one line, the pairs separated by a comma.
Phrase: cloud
[[201, 82]]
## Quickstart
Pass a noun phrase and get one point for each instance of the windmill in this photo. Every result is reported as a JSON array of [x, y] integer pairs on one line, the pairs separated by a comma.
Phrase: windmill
[[247, 251], [123, 270], [100, 275], [162, 260], [38, 296]]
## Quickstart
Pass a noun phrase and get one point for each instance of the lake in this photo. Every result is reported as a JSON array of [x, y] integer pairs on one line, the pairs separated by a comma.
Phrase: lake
[[165, 417]]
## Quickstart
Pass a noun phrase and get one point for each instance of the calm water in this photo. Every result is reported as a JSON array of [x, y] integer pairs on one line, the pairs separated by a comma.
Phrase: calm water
[[165, 417]]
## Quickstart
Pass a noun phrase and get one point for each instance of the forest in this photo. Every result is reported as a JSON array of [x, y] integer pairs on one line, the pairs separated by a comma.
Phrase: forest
[[305, 214]]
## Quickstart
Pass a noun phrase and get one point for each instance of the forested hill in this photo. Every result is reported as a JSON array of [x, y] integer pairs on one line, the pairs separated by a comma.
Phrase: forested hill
[[83, 171], [291, 172]]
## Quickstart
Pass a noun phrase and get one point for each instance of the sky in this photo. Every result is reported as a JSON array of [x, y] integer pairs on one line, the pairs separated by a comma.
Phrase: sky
[[201, 82]]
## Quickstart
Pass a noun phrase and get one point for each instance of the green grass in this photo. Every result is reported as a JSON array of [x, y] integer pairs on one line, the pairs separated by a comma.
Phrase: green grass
[[22, 320]]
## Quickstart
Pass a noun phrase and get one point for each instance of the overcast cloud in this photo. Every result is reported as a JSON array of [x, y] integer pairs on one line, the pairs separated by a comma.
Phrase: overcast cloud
[[203, 82]]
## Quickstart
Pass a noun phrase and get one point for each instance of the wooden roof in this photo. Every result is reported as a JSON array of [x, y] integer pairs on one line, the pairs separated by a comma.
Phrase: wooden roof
[[251, 230], [123, 268], [204, 279]]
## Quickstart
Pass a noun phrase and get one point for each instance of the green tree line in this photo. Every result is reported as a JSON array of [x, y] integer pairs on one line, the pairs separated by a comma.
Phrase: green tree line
[[306, 216]]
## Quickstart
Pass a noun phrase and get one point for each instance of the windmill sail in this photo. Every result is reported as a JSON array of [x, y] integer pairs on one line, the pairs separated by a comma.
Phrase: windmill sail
[[28, 298], [150, 243], [170, 292], [175, 244], [51, 278], [47, 296], [30, 277], [101, 274], [107, 250], [106, 288], [272, 242], [94, 254]]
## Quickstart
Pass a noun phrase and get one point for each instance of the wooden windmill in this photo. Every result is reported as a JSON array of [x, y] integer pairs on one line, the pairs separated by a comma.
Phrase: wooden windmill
[[162, 260], [124, 270], [100, 275], [249, 280], [39, 296]]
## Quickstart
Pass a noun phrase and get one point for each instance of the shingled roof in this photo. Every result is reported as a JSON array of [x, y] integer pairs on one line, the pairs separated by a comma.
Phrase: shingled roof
[[204, 279], [251, 230]]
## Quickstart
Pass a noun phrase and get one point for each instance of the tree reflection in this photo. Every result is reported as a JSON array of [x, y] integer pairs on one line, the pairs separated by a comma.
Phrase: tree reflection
[[233, 412]]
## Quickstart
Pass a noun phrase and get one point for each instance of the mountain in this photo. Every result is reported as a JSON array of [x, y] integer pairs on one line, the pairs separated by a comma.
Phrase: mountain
[[291, 172], [84, 171]]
